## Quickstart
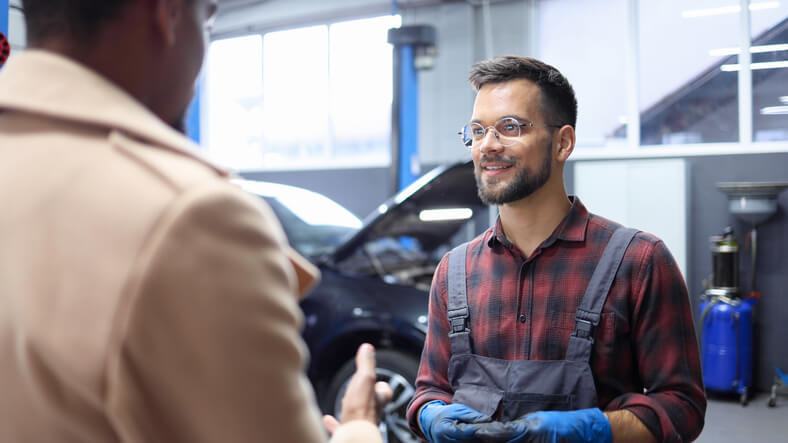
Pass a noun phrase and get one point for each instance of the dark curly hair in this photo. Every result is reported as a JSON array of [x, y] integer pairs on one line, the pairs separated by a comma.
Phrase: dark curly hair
[[558, 96]]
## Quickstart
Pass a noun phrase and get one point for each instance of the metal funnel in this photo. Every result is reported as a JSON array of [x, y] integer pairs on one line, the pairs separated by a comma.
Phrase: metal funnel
[[753, 202]]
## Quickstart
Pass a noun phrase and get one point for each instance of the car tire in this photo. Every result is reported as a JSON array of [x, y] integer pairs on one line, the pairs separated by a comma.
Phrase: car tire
[[394, 367]]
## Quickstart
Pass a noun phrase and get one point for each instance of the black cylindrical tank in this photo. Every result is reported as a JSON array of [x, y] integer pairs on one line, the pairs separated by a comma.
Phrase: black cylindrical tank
[[725, 260]]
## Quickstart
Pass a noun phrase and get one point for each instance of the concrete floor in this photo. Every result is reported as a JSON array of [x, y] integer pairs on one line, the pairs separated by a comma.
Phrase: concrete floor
[[729, 421]]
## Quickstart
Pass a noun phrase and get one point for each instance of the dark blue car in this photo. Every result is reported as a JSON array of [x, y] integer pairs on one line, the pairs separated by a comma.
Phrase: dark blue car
[[376, 276]]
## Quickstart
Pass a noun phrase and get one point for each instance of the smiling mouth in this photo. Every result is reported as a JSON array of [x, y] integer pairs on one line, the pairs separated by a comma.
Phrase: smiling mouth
[[494, 169]]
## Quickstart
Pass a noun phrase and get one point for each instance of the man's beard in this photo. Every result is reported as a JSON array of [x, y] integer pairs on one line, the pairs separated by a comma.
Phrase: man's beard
[[521, 185]]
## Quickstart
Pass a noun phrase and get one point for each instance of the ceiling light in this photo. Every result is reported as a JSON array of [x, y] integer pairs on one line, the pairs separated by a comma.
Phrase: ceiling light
[[756, 66], [774, 110], [733, 9], [753, 49], [784, 99], [449, 214]]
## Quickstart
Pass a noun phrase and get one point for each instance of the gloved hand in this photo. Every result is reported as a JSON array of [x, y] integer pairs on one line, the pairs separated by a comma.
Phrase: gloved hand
[[581, 426], [439, 422]]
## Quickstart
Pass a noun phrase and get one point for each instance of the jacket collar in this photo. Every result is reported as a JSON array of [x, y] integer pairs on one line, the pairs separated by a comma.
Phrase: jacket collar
[[44, 83], [571, 228]]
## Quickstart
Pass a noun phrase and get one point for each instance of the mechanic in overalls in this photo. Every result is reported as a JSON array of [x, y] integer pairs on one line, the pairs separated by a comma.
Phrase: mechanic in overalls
[[555, 324]]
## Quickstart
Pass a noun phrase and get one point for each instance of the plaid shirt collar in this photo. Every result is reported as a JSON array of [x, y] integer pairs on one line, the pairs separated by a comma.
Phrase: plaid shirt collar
[[571, 228]]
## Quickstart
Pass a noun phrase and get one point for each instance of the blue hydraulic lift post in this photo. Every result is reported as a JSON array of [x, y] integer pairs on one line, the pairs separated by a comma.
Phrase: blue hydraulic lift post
[[3, 30], [4, 17], [413, 45], [193, 113], [408, 151]]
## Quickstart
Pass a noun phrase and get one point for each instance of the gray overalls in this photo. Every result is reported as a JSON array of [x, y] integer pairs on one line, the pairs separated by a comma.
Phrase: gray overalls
[[522, 386]]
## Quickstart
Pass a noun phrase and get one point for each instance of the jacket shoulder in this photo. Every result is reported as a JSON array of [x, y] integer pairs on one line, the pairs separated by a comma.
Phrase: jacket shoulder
[[177, 168]]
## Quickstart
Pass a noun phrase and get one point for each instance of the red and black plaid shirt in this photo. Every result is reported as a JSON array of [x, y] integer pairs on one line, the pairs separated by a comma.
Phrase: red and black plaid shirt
[[645, 355]]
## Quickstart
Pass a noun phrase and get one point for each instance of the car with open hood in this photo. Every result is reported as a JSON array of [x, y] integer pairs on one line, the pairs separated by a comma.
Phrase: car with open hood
[[375, 277]]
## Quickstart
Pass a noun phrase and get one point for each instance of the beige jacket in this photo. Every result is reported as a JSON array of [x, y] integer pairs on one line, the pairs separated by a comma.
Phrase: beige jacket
[[143, 298]]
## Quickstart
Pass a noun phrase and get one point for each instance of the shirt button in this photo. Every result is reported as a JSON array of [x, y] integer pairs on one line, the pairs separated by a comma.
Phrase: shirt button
[[522, 318]]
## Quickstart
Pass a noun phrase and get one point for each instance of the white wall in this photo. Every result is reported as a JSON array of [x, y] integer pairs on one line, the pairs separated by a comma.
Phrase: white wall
[[650, 195]]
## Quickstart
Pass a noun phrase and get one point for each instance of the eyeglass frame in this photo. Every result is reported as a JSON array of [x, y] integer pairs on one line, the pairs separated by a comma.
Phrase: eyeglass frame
[[497, 134]]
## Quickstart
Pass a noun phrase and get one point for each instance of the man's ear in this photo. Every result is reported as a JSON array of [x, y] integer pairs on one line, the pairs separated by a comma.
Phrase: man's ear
[[166, 15], [564, 139]]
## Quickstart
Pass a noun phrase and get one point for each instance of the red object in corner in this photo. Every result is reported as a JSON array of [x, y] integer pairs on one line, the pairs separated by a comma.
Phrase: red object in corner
[[5, 48], [754, 295]]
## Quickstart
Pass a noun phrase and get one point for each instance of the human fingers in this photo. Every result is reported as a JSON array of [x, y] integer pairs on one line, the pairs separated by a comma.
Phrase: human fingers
[[490, 432], [383, 395], [467, 414], [330, 423], [445, 431], [360, 400]]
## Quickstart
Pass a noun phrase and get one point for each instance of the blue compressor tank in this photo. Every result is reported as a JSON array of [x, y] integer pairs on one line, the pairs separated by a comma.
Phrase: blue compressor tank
[[726, 344]]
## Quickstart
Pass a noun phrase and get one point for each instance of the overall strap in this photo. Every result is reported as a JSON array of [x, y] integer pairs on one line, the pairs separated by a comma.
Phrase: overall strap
[[457, 306], [589, 312]]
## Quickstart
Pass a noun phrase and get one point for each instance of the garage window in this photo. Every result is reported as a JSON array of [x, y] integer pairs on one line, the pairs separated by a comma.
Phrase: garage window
[[304, 98]]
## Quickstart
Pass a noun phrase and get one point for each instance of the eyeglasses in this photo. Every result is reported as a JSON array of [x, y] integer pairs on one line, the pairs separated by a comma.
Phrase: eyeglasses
[[506, 131]]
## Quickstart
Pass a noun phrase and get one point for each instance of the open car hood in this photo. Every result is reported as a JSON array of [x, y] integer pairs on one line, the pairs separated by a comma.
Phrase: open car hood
[[449, 187]]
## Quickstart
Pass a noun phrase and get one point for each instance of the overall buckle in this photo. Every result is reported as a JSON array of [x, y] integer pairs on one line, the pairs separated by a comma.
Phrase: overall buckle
[[583, 328], [458, 320]]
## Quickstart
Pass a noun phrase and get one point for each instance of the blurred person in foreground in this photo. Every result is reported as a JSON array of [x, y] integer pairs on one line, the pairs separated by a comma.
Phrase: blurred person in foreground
[[143, 298], [555, 324]]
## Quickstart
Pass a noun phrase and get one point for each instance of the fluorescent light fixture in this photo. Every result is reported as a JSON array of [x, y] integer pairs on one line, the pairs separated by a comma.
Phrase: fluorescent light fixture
[[733, 9], [448, 214], [753, 49], [756, 66], [774, 110], [784, 99]]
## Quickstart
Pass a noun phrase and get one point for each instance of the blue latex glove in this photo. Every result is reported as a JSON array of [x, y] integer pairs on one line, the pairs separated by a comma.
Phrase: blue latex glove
[[581, 426], [439, 422]]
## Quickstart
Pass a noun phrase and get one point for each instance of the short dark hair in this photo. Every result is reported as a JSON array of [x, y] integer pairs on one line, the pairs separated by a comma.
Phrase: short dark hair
[[77, 19], [558, 96]]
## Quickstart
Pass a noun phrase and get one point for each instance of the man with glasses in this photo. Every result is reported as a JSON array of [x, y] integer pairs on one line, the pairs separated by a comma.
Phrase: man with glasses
[[143, 297], [555, 324]]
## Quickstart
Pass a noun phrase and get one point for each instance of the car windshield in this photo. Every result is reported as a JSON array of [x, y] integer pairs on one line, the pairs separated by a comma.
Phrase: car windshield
[[314, 223]]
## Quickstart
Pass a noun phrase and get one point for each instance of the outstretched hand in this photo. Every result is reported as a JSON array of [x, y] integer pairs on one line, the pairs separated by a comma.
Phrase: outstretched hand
[[364, 398]]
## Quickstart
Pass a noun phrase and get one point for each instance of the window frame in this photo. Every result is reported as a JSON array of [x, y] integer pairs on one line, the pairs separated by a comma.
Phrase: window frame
[[634, 149]]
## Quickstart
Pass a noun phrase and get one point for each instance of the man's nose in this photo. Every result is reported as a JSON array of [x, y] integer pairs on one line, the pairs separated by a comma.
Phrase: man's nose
[[491, 141]]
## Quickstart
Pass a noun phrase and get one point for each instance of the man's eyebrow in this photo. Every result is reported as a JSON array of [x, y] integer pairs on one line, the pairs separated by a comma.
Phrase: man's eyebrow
[[514, 116], [518, 118]]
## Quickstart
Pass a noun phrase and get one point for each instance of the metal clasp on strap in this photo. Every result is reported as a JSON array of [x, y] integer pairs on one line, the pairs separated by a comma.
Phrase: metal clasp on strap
[[583, 328], [458, 319]]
